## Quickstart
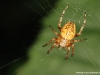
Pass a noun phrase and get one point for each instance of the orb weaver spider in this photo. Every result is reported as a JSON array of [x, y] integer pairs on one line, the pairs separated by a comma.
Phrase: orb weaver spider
[[66, 36]]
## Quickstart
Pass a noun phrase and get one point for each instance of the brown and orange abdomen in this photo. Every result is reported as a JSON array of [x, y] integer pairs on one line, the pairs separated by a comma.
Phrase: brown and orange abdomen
[[68, 31]]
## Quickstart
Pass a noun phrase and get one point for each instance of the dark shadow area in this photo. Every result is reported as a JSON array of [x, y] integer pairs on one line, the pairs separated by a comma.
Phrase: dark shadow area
[[19, 26]]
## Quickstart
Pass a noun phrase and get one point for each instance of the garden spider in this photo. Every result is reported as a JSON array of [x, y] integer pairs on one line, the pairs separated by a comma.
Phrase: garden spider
[[67, 33]]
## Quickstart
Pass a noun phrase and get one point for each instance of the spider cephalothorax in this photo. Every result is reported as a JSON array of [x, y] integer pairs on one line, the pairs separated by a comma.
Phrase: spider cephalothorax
[[67, 33]]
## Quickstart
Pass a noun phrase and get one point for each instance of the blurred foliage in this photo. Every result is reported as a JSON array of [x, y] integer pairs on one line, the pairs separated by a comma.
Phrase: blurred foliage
[[86, 58]]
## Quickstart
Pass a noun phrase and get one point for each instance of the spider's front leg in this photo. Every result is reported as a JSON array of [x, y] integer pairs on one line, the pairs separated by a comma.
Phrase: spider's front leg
[[72, 50], [67, 53], [51, 48], [53, 39], [68, 50]]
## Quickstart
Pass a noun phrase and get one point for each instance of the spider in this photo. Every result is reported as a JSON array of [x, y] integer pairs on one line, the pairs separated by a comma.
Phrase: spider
[[66, 36]]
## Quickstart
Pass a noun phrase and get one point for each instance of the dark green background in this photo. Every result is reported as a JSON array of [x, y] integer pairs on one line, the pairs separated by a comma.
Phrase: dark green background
[[27, 27]]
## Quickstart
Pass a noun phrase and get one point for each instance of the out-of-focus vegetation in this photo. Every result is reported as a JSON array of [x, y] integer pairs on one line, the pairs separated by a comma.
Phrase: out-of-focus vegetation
[[86, 58]]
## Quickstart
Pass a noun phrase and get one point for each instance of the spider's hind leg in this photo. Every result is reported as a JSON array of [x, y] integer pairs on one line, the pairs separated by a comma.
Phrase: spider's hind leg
[[60, 21], [54, 31], [81, 29]]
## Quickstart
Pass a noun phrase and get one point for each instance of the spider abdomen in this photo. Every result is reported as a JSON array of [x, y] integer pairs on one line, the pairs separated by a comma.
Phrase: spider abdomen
[[68, 31]]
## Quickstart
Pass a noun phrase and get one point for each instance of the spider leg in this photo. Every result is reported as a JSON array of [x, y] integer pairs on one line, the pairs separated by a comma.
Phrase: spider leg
[[67, 53], [53, 39], [54, 31], [59, 23], [72, 50], [78, 40], [82, 25], [50, 48]]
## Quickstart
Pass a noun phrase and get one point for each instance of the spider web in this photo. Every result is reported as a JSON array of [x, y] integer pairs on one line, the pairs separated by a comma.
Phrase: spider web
[[31, 56]]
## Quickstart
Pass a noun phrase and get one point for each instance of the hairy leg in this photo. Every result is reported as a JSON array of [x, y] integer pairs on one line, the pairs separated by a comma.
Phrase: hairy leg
[[81, 29], [67, 53], [59, 23], [72, 50], [53, 39], [50, 48], [54, 31]]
